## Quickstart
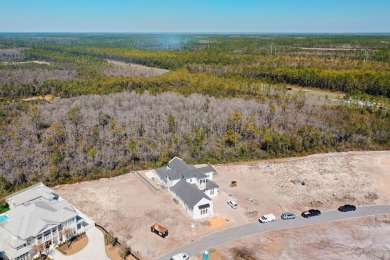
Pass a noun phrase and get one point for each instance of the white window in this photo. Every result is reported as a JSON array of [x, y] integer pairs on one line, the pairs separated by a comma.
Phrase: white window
[[39, 238], [21, 246], [47, 235], [204, 211], [23, 257], [212, 192]]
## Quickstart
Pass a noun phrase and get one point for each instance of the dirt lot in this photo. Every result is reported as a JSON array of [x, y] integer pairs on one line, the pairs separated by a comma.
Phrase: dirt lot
[[132, 70], [365, 238], [362, 178], [26, 62], [315, 93], [128, 207]]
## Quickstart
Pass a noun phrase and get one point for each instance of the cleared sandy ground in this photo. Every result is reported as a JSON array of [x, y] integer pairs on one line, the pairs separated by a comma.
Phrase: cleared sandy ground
[[46, 97], [25, 62], [128, 207], [120, 68], [364, 238]]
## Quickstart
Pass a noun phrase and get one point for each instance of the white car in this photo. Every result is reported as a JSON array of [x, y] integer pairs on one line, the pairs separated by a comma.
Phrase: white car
[[180, 256], [267, 218], [232, 204]]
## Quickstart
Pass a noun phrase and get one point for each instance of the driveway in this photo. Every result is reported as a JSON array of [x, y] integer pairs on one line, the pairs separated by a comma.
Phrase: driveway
[[250, 229], [223, 210], [94, 249]]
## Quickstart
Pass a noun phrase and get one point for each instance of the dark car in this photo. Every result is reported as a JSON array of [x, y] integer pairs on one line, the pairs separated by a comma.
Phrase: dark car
[[311, 213], [346, 208]]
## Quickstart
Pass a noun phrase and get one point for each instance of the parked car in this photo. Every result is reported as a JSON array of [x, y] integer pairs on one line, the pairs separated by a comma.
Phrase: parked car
[[267, 218], [347, 207], [287, 215], [311, 213], [232, 204], [180, 256]]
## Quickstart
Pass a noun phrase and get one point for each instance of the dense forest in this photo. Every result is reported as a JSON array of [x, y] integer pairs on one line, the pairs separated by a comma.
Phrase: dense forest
[[219, 98]]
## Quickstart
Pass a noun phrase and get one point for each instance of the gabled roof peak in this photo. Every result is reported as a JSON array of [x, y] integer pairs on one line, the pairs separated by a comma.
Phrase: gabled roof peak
[[177, 169]]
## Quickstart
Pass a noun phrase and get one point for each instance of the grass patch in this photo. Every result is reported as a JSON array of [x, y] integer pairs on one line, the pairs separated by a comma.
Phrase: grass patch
[[3, 208], [61, 251], [78, 244]]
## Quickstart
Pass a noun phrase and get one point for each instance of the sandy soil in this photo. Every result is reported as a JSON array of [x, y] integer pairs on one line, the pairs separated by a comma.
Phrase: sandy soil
[[46, 97], [114, 253], [128, 207], [364, 238], [316, 93], [329, 180], [26, 62], [132, 70], [332, 49]]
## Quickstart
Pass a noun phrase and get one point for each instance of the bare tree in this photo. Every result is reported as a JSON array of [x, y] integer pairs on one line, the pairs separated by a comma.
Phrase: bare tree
[[70, 138], [68, 236], [39, 249], [124, 252], [112, 239]]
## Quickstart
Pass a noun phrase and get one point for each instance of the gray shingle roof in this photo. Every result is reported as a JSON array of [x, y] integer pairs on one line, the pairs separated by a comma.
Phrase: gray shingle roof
[[188, 193], [165, 172], [178, 169], [211, 185]]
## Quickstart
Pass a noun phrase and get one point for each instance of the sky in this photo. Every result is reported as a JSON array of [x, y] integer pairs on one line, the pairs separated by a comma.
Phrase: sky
[[245, 16]]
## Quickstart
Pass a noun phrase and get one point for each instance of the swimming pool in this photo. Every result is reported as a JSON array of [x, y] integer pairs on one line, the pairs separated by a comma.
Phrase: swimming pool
[[3, 218]]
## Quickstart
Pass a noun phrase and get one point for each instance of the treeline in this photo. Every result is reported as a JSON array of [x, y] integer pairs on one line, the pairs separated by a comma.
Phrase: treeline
[[346, 63], [219, 42], [93, 136], [329, 72], [11, 55], [180, 81]]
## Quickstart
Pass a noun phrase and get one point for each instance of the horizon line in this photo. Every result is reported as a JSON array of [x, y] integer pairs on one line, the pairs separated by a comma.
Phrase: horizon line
[[86, 32]]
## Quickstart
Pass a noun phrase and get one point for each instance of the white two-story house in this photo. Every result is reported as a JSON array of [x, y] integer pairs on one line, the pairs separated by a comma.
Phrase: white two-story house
[[191, 186], [37, 215]]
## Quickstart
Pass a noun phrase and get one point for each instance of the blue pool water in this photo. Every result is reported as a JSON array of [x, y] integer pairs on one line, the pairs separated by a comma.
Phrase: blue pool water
[[3, 218]]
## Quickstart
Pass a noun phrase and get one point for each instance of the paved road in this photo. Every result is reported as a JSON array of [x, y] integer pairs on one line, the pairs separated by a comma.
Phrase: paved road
[[242, 231]]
